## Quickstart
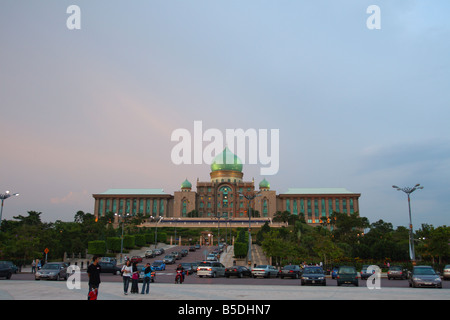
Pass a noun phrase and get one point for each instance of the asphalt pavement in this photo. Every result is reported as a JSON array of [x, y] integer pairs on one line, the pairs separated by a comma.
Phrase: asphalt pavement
[[58, 290]]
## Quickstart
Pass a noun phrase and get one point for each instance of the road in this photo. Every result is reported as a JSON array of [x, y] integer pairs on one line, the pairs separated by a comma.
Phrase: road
[[168, 275]]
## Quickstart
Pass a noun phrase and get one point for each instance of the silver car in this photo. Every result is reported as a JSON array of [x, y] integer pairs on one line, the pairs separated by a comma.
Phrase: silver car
[[52, 271], [446, 273], [424, 276], [210, 269], [169, 259], [264, 271]]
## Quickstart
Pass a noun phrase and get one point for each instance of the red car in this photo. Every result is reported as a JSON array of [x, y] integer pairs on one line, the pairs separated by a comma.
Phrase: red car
[[136, 259]]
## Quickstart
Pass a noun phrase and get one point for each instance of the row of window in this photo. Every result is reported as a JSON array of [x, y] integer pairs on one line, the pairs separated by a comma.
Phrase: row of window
[[132, 206], [308, 206]]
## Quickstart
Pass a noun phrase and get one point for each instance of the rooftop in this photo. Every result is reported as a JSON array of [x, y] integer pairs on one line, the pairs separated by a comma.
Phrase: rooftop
[[134, 191], [317, 191]]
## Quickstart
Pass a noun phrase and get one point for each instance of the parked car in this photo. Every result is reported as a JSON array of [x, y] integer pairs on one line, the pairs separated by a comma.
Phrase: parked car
[[446, 273], [397, 272], [211, 257], [52, 271], [136, 259], [265, 271], [176, 254], [291, 271], [11, 264], [192, 248], [313, 275], [158, 265], [347, 275], [211, 269], [197, 246], [109, 267], [169, 259], [5, 270], [188, 267], [238, 271], [195, 265], [424, 276], [150, 253], [364, 274], [108, 259], [184, 252]]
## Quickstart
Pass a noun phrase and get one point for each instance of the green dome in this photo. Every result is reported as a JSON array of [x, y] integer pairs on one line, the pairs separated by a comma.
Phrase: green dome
[[220, 161], [264, 184], [186, 184]]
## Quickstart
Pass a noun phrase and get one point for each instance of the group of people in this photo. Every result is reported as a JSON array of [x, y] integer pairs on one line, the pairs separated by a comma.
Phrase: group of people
[[35, 265], [131, 272]]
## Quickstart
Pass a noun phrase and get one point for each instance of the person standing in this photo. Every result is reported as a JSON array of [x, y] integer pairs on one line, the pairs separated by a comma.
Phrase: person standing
[[135, 279], [127, 270], [147, 278], [93, 272], [33, 266]]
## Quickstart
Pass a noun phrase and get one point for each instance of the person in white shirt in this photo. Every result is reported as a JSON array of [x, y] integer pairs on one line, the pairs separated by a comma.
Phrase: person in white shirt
[[127, 271]]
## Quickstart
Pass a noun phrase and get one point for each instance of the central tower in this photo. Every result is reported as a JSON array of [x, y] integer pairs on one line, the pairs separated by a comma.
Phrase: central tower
[[226, 167]]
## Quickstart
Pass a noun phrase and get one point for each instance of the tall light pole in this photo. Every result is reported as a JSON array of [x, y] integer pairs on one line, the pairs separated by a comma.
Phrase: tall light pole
[[249, 197], [157, 220], [408, 191], [123, 222], [3, 197]]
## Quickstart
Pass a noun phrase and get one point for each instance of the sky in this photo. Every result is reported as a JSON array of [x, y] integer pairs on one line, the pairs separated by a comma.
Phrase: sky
[[90, 109]]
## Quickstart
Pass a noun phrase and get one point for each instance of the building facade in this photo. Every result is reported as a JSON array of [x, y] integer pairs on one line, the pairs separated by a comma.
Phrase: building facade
[[225, 196]]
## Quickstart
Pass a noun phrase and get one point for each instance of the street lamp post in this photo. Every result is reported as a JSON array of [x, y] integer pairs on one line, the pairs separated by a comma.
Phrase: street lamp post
[[123, 222], [408, 191], [157, 220], [3, 197], [249, 197]]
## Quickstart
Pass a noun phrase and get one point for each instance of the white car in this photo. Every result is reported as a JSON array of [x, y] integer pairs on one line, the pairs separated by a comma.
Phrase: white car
[[149, 254], [211, 257], [265, 271], [210, 269]]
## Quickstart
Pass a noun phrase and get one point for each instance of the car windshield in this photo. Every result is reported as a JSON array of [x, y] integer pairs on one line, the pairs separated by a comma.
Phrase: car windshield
[[347, 270], [424, 271], [289, 268], [313, 270], [51, 266], [262, 266], [205, 264], [396, 268], [157, 263]]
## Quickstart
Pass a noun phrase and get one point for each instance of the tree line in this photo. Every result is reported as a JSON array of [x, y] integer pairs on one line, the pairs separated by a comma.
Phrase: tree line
[[353, 239], [341, 238]]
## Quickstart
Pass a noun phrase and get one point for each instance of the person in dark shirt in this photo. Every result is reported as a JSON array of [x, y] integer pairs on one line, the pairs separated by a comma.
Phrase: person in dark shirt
[[93, 272]]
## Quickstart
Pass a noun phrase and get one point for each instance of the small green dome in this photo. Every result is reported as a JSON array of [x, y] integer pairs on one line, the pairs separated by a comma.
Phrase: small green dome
[[264, 184], [220, 161], [186, 184]]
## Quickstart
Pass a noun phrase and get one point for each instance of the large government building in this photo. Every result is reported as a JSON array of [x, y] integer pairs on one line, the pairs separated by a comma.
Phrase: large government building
[[225, 197]]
